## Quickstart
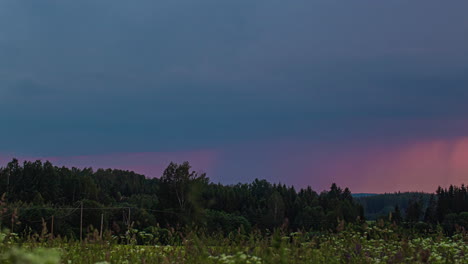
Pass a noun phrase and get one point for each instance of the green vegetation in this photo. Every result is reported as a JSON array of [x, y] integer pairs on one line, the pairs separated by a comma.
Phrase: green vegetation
[[61, 215], [376, 243], [380, 205], [35, 192]]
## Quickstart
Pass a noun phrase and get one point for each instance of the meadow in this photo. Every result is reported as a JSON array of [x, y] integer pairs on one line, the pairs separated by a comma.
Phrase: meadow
[[368, 243]]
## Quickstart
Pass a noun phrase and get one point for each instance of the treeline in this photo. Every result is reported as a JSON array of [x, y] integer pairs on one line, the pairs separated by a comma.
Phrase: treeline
[[37, 194], [450, 209], [380, 205], [446, 209]]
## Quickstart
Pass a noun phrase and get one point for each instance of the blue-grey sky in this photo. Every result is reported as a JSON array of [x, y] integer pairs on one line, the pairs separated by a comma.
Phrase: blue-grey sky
[[266, 88]]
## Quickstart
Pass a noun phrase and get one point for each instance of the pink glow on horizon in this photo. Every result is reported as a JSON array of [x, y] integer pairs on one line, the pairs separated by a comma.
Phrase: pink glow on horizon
[[418, 166], [362, 166]]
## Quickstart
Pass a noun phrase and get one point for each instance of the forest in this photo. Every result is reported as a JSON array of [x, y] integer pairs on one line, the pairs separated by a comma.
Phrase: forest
[[380, 205], [74, 202]]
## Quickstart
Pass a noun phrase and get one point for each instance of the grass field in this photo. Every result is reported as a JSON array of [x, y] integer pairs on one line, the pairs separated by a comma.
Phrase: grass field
[[370, 244]]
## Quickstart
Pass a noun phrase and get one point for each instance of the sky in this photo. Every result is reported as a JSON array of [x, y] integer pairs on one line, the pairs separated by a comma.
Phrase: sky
[[369, 94]]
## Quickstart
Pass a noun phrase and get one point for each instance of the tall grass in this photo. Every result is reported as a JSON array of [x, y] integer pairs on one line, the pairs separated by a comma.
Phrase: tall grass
[[354, 244]]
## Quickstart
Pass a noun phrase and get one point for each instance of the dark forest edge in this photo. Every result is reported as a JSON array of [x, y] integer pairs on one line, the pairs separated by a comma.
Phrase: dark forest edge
[[36, 194], [381, 205]]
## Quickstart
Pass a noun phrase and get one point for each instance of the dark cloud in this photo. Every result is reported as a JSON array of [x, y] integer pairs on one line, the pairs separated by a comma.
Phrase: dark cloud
[[94, 76]]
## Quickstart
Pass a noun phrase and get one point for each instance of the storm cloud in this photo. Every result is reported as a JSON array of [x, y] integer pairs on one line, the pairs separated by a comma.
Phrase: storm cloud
[[235, 78]]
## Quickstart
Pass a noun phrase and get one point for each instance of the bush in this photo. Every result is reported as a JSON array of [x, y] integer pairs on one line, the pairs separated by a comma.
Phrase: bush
[[217, 220]]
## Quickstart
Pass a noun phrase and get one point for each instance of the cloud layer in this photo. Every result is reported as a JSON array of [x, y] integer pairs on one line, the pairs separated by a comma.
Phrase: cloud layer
[[88, 78]]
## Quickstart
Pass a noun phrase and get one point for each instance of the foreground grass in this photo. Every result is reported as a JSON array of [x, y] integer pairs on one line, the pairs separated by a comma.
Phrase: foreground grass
[[369, 245]]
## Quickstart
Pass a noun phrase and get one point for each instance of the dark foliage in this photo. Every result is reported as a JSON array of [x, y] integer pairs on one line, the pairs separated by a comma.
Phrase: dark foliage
[[34, 193], [380, 205], [38, 192]]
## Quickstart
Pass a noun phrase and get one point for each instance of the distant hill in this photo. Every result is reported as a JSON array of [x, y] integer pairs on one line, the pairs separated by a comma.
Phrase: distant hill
[[357, 195], [376, 205]]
